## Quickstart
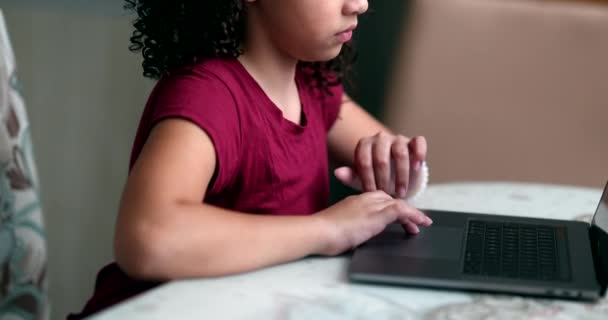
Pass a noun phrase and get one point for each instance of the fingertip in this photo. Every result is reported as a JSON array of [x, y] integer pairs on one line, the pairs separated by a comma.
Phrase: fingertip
[[420, 220], [412, 228], [420, 140], [419, 147], [342, 172], [402, 191]]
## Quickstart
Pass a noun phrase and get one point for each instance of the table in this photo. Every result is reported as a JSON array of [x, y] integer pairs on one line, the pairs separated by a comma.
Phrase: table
[[317, 287]]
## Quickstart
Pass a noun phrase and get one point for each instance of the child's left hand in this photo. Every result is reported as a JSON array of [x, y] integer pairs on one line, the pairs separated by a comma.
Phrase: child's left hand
[[385, 162]]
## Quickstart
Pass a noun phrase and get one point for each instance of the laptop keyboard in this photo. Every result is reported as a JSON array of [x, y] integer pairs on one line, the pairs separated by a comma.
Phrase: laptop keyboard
[[513, 250]]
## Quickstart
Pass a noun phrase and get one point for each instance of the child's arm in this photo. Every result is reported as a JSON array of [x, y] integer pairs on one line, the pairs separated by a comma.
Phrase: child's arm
[[372, 152], [164, 231]]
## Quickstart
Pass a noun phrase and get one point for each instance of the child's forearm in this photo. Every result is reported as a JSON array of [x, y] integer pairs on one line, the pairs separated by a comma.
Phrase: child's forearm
[[204, 241]]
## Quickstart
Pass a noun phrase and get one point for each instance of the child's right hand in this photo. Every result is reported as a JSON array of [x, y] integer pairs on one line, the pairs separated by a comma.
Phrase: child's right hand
[[356, 219]]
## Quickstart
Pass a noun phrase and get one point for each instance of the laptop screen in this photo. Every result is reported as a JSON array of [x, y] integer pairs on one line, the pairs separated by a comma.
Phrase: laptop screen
[[600, 219]]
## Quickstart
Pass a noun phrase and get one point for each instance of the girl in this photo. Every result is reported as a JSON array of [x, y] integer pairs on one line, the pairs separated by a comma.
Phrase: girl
[[229, 168]]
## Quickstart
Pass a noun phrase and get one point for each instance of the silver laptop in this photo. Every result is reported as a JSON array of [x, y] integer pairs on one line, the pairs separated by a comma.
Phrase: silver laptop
[[504, 254]]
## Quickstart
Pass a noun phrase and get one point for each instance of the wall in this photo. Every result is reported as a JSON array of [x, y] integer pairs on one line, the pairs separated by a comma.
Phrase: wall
[[505, 90], [84, 95]]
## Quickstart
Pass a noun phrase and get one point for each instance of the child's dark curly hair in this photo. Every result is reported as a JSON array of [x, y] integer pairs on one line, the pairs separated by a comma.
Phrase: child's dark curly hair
[[177, 33]]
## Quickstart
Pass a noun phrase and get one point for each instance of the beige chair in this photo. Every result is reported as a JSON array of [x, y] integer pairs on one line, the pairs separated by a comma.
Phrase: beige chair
[[512, 90]]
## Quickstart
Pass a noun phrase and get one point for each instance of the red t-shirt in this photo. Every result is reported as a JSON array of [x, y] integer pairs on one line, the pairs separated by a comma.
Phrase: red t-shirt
[[266, 164]]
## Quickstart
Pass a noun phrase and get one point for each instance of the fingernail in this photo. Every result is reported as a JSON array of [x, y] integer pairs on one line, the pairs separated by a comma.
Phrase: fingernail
[[417, 165], [429, 221], [416, 229], [402, 192]]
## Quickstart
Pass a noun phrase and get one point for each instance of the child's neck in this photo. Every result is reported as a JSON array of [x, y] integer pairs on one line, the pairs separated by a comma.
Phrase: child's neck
[[278, 82], [267, 63], [273, 68], [275, 73]]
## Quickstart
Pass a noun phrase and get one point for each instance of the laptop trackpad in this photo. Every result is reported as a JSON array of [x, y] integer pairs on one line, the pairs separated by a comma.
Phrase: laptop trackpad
[[435, 242]]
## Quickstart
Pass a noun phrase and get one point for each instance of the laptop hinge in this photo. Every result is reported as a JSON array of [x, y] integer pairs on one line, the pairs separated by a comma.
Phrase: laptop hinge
[[599, 249]]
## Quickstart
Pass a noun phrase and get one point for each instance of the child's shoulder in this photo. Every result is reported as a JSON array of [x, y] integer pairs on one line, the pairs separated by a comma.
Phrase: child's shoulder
[[211, 70], [209, 77]]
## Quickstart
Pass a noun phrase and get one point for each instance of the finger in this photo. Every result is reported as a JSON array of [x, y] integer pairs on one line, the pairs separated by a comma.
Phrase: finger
[[417, 149], [410, 228], [347, 176], [401, 160], [381, 158], [398, 210], [364, 164], [409, 214], [427, 221], [401, 212], [409, 217]]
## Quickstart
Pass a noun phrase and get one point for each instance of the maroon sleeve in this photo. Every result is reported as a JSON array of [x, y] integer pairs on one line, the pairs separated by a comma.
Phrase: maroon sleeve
[[332, 104], [204, 99]]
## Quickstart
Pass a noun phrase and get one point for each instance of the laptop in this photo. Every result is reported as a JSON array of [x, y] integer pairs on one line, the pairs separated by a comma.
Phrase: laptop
[[492, 253]]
